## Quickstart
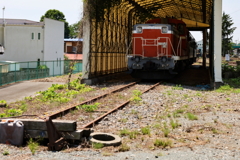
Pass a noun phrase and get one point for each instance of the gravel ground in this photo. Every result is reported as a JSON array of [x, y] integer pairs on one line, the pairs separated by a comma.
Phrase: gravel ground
[[214, 134]]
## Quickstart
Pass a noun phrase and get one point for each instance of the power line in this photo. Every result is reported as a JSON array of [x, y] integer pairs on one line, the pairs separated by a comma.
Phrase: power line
[[235, 11]]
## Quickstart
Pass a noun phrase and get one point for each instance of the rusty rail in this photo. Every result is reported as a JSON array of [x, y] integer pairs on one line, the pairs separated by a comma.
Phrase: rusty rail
[[90, 124], [66, 110]]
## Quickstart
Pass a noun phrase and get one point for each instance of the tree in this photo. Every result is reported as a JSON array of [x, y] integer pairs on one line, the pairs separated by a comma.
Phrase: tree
[[227, 31], [74, 30], [57, 15]]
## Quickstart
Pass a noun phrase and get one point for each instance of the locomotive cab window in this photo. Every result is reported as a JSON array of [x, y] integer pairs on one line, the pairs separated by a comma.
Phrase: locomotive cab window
[[139, 29], [164, 30]]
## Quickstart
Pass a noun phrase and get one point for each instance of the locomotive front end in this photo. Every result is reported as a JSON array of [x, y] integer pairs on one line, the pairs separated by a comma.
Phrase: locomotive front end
[[152, 48]]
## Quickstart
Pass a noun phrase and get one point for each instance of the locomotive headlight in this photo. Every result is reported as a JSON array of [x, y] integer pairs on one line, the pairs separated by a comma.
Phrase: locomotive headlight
[[164, 59], [137, 59], [164, 30], [139, 30]]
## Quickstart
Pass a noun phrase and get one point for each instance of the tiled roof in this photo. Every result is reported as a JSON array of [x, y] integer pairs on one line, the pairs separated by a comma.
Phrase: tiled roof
[[20, 22], [74, 56]]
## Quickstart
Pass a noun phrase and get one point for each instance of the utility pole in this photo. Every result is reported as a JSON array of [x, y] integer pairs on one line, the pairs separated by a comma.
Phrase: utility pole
[[2, 45], [3, 16]]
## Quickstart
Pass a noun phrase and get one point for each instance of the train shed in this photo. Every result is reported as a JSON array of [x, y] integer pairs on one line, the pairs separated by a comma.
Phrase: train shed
[[107, 28]]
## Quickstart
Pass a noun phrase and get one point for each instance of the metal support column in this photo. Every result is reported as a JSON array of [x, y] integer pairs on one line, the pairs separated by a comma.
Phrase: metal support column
[[204, 47], [217, 44], [86, 42]]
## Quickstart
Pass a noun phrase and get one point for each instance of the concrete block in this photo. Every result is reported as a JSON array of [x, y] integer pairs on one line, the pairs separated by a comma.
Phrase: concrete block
[[76, 135], [61, 125]]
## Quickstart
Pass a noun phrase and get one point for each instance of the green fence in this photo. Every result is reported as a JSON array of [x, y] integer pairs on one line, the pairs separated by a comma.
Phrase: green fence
[[20, 71]]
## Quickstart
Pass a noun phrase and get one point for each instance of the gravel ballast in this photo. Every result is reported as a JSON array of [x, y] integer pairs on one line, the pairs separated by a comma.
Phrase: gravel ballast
[[213, 134]]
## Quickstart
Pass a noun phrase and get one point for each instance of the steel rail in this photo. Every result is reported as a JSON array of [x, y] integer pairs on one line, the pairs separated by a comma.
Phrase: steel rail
[[66, 110], [90, 124]]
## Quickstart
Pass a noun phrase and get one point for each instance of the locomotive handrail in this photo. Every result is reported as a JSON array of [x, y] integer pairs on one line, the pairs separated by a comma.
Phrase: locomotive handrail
[[180, 40], [158, 55]]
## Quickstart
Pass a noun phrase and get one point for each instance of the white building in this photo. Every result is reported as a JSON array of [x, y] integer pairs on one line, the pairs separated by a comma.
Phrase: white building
[[200, 47], [25, 40]]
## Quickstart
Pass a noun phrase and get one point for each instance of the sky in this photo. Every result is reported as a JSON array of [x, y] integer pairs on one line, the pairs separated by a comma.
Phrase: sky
[[231, 7], [34, 9], [72, 9]]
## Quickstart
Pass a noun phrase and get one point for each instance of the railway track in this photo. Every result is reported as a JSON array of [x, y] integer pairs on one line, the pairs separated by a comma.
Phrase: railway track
[[89, 119], [67, 109], [90, 124]]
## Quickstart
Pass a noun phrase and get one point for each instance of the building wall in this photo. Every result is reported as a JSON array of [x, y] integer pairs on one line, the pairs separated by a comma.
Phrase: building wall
[[1, 35], [54, 43], [19, 44], [54, 39], [73, 47]]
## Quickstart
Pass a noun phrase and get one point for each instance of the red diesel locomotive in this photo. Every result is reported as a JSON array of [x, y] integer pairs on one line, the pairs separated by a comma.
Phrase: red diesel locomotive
[[160, 49]]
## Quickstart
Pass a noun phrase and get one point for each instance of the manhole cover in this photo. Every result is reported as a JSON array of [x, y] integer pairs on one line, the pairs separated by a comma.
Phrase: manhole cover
[[105, 138]]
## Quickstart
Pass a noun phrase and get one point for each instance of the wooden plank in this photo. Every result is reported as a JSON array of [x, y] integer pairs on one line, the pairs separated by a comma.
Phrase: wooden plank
[[76, 135], [61, 125]]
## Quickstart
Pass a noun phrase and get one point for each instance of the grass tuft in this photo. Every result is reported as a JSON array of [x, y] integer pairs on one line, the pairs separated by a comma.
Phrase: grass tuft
[[124, 147], [165, 130], [163, 143], [191, 116], [5, 153], [174, 124], [145, 130], [97, 145], [33, 146]]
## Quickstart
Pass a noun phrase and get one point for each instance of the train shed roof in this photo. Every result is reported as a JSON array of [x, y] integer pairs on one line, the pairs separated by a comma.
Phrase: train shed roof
[[195, 13]]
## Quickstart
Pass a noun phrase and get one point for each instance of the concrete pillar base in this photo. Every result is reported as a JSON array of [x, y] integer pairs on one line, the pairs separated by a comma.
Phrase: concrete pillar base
[[218, 84], [101, 79]]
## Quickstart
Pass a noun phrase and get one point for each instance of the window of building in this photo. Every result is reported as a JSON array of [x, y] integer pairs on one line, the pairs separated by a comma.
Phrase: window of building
[[32, 35], [39, 35]]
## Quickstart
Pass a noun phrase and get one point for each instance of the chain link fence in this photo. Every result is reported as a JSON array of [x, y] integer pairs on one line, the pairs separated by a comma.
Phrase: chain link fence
[[20, 71]]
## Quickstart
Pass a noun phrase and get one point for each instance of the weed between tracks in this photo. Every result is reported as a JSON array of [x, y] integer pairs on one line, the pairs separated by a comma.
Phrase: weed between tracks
[[33, 146], [52, 99]]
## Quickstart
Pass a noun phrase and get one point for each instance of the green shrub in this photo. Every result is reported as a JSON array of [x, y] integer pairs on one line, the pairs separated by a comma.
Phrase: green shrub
[[233, 82], [2, 115], [23, 106], [80, 87], [42, 67], [58, 86], [227, 68], [3, 101], [224, 88], [13, 112]]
